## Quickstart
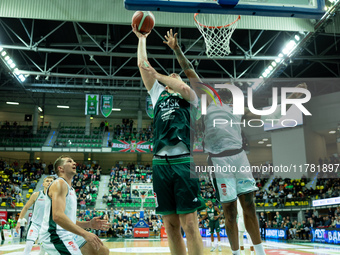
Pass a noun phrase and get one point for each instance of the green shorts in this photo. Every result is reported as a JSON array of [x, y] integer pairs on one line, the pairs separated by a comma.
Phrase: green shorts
[[214, 225], [176, 191]]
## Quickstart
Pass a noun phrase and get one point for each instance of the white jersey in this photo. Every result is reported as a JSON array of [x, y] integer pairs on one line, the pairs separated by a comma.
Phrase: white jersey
[[49, 229], [226, 135], [39, 209]]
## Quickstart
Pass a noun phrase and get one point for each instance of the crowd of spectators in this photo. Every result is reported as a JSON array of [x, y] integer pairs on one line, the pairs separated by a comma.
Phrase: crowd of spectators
[[122, 222], [15, 177], [126, 132], [121, 178], [86, 183], [311, 219]]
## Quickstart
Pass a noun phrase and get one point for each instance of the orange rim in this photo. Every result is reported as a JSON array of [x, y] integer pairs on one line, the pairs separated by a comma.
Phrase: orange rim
[[211, 27]]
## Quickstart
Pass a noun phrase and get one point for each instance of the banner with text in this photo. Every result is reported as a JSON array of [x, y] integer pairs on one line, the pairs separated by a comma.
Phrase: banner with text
[[106, 105], [92, 104], [131, 146]]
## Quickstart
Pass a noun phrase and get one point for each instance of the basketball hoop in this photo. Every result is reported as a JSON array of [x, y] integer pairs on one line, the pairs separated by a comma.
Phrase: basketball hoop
[[216, 30]]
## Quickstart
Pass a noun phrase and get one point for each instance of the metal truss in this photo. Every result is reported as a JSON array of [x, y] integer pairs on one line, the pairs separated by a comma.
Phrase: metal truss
[[76, 58]]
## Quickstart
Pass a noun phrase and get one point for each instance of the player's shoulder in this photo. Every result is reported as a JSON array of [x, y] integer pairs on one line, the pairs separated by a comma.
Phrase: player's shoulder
[[35, 195], [58, 184]]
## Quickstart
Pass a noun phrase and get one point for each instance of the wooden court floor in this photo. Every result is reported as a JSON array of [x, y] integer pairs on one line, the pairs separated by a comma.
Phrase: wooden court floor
[[151, 246]]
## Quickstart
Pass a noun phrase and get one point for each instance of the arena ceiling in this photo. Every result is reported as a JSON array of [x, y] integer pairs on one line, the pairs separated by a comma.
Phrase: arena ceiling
[[64, 59]]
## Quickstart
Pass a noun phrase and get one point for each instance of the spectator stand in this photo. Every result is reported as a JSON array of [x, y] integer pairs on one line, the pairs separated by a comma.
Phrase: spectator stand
[[73, 135], [20, 134]]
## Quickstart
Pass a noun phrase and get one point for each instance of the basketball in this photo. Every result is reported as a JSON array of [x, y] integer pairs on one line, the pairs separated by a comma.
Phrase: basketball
[[144, 20]]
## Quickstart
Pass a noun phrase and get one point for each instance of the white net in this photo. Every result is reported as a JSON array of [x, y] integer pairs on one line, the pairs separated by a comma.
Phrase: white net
[[216, 30]]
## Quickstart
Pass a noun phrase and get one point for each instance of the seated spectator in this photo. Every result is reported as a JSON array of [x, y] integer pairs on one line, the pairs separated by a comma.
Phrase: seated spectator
[[82, 204]]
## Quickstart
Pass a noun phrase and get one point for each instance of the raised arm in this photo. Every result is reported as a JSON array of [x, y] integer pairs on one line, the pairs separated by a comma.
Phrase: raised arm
[[24, 210], [142, 58], [175, 84], [187, 67]]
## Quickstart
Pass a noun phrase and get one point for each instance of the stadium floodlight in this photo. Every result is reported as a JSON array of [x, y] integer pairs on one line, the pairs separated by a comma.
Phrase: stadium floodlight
[[14, 103], [297, 38], [274, 64], [116, 109], [63, 106]]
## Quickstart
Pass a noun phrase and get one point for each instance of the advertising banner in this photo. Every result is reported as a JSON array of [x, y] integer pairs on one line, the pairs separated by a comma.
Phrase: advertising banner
[[131, 146]]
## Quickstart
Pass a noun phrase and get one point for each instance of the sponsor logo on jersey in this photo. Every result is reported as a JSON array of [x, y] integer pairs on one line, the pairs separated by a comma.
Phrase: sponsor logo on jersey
[[74, 247], [224, 189]]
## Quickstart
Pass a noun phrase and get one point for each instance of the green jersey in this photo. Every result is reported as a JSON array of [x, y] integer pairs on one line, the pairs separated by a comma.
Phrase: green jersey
[[211, 213], [172, 121]]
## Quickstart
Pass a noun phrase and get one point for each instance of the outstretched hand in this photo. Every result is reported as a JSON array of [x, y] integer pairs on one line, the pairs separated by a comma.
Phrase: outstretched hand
[[139, 34], [97, 223], [171, 40]]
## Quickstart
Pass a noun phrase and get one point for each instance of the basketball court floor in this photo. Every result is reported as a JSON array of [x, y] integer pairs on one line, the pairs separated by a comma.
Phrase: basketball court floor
[[122, 246]]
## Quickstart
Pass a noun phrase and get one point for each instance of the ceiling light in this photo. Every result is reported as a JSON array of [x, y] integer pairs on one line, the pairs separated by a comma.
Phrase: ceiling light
[[39, 108], [3, 53], [274, 63], [265, 139], [270, 68], [91, 58], [297, 37], [41, 117], [37, 78], [116, 109], [12, 65], [91, 118], [332, 132], [261, 142], [7, 58], [88, 158], [47, 78], [22, 78], [97, 80], [63, 106], [1, 49], [87, 81], [269, 145], [38, 158], [14, 103]]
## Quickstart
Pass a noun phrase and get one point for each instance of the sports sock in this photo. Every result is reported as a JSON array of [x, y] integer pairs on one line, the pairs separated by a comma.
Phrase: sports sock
[[259, 250], [42, 250], [28, 247], [236, 252]]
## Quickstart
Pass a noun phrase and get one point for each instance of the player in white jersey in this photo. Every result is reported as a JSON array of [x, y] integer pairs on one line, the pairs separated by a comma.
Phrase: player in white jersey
[[242, 229], [61, 233], [224, 145], [37, 199]]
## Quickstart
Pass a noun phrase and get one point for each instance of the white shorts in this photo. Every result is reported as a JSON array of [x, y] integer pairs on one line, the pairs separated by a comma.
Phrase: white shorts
[[229, 178], [33, 232], [65, 245]]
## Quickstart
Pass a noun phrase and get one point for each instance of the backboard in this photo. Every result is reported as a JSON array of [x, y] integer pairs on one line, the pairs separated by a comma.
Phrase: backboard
[[311, 9], [139, 189]]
